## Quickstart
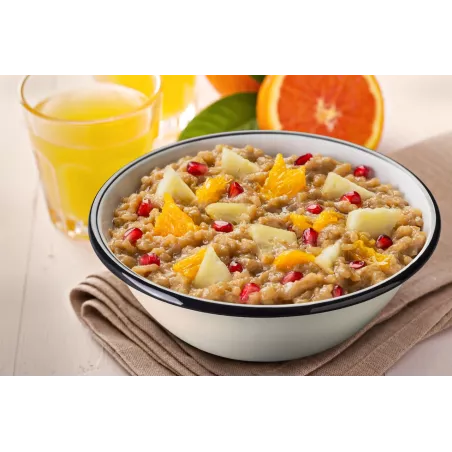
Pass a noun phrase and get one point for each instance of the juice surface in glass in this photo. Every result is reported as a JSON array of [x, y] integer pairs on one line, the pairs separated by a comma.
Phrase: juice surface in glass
[[80, 138]]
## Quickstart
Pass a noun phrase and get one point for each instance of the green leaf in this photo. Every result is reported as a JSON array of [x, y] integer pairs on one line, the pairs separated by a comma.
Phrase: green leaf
[[258, 78], [235, 112]]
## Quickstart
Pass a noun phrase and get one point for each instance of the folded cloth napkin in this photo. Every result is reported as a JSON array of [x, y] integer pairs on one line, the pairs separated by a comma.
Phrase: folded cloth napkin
[[423, 307]]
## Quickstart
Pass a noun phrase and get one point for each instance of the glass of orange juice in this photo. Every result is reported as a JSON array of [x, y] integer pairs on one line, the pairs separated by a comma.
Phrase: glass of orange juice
[[178, 99], [83, 130]]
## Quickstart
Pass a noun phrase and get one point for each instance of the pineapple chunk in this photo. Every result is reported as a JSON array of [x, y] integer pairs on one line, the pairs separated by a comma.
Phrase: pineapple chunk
[[235, 165], [328, 257], [373, 221], [211, 271], [175, 186], [230, 212], [335, 186], [266, 237]]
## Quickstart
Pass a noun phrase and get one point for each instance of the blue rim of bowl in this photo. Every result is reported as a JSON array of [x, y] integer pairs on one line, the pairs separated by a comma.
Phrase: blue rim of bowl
[[238, 310]]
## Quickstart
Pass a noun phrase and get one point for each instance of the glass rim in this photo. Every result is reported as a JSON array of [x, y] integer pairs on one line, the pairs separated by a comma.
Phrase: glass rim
[[151, 99]]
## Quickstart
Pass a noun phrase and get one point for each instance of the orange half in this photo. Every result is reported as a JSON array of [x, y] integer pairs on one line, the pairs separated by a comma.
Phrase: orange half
[[348, 107]]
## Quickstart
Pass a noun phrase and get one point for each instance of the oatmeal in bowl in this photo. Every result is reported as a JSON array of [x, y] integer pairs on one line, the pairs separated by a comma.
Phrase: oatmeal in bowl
[[238, 225]]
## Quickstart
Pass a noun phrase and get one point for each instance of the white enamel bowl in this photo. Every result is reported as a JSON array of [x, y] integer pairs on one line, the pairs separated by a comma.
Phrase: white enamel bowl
[[261, 333]]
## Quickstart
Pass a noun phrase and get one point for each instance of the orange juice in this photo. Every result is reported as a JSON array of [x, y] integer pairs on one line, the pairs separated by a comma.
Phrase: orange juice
[[80, 138]]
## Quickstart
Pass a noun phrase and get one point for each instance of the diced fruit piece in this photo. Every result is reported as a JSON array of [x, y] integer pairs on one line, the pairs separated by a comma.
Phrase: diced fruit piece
[[383, 242], [267, 237], [174, 186], [234, 190], [197, 169], [326, 218], [235, 267], [362, 171], [352, 197], [230, 212], [211, 271], [235, 165], [132, 235], [300, 221], [173, 220], [314, 209], [303, 159], [338, 291], [290, 258], [356, 265], [144, 209], [283, 181], [328, 257], [373, 221], [189, 266], [222, 226], [149, 259], [310, 237], [291, 277], [335, 186], [212, 189], [360, 251], [247, 290]]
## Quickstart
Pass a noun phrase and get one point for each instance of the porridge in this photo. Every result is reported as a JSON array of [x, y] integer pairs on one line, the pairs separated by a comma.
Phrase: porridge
[[240, 226]]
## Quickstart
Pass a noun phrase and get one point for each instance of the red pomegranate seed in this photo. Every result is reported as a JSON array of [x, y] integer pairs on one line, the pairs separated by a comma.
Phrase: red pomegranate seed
[[384, 242], [149, 259], [235, 267], [338, 291], [247, 290], [362, 171], [132, 235], [352, 197], [290, 228], [222, 226], [357, 264], [314, 208], [197, 169], [310, 237], [235, 189], [144, 209], [303, 159], [291, 277]]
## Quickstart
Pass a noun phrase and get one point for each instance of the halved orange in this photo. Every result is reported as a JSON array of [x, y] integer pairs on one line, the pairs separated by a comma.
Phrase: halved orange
[[349, 107], [232, 84]]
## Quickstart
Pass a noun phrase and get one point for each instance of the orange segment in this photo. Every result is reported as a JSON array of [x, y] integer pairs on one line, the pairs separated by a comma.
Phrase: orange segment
[[232, 84], [283, 181], [189, 266], [300, 221], [212, 189], [326, 218], [362, 252], [291, 258], [173, 220], [349, 107]]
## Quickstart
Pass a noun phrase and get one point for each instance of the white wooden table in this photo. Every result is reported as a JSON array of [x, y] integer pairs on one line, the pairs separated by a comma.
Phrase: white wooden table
[[39, 333]]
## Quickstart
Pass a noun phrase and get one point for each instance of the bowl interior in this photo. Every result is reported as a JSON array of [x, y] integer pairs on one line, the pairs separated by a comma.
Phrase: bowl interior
[[127, 180]]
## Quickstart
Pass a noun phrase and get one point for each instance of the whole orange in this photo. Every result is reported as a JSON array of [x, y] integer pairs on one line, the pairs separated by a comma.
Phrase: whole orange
[[232, 84]]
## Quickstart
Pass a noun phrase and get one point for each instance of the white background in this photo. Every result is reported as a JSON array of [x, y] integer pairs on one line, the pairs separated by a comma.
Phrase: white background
[[39, 333]]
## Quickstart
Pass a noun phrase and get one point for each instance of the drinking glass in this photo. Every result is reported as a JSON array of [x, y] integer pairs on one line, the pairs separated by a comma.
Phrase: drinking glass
[[82, 131]]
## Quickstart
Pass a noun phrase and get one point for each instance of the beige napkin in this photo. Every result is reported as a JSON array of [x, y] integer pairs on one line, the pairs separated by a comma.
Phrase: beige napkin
[[423, 307]]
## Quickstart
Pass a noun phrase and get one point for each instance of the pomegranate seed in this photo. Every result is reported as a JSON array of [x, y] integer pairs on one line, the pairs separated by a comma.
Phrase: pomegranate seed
[[197, 169], [235, 267], [303, 159], [362, 171], [338, 291], [290, 228], [222, 226], [247, 290], [132, 235], [149, 259], [314, 208], [292, 277], [384, 242], [310, 237], [144, 209], [235, 189], [352, 197], [357, 264]]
